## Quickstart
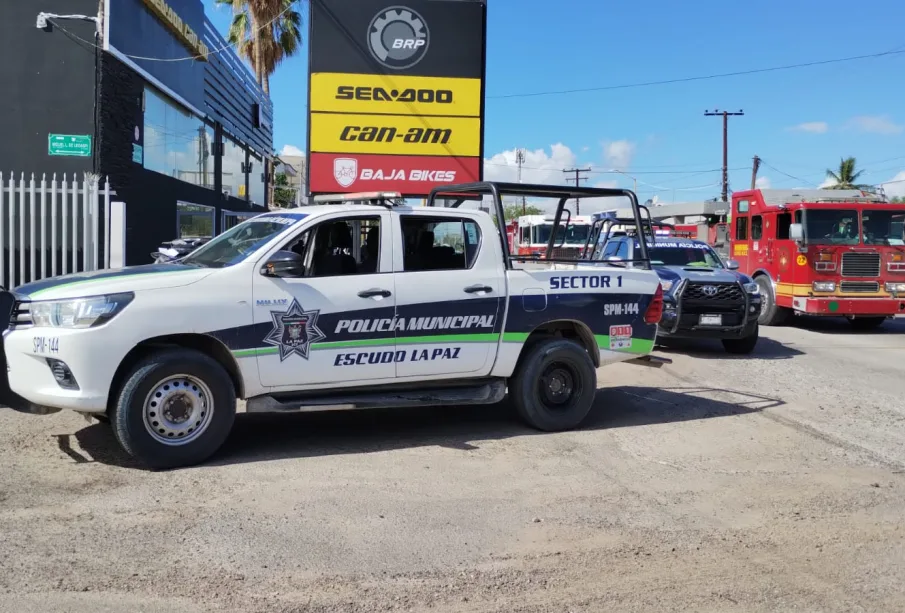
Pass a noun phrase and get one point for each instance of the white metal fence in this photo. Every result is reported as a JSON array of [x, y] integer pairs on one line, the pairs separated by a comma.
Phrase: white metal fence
[[51, 227]]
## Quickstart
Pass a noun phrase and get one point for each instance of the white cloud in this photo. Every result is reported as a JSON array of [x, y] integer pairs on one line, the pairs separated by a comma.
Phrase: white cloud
[[762, 183], [895, 187], [618, 154], [828, 182], [292, 150], [875, 124], [814, 127]]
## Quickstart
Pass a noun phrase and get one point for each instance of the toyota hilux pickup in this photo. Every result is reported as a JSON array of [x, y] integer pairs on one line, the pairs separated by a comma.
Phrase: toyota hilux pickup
[[328, 307]]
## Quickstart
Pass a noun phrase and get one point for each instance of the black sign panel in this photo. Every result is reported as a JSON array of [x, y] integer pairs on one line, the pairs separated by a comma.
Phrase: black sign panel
[[432, 38]]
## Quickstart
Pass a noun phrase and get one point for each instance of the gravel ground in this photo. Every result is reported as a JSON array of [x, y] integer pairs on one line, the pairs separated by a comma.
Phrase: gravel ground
[[767, 483]]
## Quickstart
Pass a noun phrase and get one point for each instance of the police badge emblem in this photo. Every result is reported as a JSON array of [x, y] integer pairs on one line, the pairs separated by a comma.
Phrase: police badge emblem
[[294, 330]]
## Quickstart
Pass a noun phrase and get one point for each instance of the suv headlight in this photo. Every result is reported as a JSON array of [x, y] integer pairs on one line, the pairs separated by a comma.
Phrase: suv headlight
[[78, 312], [751, 288], [666, 285]]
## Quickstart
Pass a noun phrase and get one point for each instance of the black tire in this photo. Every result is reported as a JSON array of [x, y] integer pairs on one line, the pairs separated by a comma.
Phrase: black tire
[[770, 313], [866, 323], [158, 368], [560, 362], [742, 346]]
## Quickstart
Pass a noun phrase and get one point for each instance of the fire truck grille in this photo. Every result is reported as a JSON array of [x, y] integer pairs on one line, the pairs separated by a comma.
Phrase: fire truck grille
[[863, 264], [721, 294], [862, 287], [566, 252]]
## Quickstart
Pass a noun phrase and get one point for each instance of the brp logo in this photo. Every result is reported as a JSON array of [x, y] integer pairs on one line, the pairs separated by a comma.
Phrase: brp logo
[[709, 290], [398, 37]]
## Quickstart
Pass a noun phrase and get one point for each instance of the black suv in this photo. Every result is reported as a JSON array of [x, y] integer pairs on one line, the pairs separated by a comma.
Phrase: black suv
[[703, 297]]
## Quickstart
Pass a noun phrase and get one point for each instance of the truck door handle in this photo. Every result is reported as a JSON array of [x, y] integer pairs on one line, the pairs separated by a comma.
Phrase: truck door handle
[[371, 293], [473, 289]]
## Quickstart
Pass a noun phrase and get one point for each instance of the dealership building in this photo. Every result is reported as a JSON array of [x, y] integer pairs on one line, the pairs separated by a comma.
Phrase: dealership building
[[147, 94]]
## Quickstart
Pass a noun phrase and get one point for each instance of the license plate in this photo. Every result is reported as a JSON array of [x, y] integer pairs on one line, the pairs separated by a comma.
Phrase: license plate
[[711, 320]]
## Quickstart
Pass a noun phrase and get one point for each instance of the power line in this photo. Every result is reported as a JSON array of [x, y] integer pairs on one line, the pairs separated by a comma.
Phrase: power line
[[785, 173], [723, 75]]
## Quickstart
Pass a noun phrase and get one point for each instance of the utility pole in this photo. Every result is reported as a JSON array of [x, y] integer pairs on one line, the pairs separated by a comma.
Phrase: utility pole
[[754, 170], [577, 178], [520, 159], [725, 115]]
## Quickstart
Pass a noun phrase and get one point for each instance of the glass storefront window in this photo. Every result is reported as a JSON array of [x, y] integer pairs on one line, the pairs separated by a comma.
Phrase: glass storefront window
[[195, 220], [256, 180], [233, 176], [177, 143]]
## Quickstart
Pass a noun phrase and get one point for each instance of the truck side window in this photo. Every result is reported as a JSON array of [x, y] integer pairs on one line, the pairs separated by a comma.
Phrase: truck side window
[[757, 227], [622, 252], [783, 221], [340, 247], [741, 228], [611, 248], [742, 206], [439, 243]]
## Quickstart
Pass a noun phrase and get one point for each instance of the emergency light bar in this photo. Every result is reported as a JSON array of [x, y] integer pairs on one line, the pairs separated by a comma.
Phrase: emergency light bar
[[356, 196]]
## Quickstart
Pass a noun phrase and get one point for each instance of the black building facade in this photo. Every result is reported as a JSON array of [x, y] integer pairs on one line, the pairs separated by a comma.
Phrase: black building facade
[[175, 119]]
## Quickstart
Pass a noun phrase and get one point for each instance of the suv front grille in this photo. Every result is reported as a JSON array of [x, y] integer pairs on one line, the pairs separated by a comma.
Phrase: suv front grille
[[861, 264], [21, 316], [726, 294], [863, 287]]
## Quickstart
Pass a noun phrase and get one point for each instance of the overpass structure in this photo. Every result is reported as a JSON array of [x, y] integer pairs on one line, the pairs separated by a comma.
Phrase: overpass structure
[[679, 213]]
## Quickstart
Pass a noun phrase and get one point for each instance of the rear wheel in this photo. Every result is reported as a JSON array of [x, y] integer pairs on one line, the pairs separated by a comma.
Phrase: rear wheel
[[741, 345], [770, 313], [554, 386], [866, 323], [175, 409]]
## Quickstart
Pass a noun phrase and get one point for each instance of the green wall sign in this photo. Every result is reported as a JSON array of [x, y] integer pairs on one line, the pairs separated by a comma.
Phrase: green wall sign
[[76, 145]]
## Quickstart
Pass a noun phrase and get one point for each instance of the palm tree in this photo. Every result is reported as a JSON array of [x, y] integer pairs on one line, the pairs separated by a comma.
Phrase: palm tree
[[845, 176], [266, 32]]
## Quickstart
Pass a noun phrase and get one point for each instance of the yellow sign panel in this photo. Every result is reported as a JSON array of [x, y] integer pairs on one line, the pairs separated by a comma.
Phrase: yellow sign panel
[[395, 135], [386, 94], [185, 33], [802, 260], [740, 249]]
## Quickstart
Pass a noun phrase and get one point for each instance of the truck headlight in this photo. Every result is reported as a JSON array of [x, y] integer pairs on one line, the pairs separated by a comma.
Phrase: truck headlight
[[78, 312], [666, 285], [895, 288], [824, 286], [751, 288]]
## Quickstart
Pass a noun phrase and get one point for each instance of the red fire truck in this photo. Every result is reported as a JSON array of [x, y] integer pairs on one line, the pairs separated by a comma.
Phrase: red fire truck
[[529, 235], [821, 252]]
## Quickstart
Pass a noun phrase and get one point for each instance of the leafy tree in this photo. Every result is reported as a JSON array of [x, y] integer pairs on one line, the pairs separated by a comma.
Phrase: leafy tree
[[846, 177], [266, 32], [282, 197], [514, 211], [898, 200]]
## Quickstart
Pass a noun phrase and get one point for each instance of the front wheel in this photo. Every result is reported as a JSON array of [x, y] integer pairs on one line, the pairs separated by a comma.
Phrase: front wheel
[[866, 323], [175, 409], [771, 314], [742, 346], [554, 386]]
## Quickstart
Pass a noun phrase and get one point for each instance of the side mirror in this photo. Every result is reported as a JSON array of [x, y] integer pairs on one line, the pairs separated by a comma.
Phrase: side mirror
[[796, 231], [731, 265], [284, 264]]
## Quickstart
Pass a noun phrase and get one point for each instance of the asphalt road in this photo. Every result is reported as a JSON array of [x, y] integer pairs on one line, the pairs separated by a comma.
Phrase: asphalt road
[[773, 482]]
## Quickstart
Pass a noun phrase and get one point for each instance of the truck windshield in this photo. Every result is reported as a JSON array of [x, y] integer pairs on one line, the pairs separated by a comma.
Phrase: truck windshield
[[884, 227], [683, 255], [831, 227], [240, 241], [575, 234]]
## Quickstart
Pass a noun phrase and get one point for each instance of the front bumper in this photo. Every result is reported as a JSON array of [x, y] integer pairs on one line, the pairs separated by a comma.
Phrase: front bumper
[[681, 319], [839, 306]]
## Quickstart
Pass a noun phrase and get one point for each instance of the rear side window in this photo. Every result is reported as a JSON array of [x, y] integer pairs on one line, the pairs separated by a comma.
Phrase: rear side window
[[439, 243], [757, 227], [741, 228]]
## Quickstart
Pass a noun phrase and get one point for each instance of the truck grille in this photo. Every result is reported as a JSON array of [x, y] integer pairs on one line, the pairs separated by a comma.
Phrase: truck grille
[[566, 252], [728, 294], [862, 287], [21, 316], [863, 264]]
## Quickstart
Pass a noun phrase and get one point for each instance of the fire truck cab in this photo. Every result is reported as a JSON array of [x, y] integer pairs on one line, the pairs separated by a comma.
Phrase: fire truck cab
[[531, 234], [821, 252]]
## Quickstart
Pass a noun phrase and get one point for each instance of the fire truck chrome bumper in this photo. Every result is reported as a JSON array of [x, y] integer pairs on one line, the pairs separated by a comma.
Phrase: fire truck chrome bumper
[[849, 306]]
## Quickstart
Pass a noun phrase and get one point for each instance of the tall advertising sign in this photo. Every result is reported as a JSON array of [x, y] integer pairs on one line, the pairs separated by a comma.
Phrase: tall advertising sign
[[395, 94]]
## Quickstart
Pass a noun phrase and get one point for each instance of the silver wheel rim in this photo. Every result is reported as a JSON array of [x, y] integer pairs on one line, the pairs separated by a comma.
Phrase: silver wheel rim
[[178, 410]]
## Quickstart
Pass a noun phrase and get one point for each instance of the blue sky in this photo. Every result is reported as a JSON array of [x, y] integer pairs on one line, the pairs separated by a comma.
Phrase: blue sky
[[798, 121]]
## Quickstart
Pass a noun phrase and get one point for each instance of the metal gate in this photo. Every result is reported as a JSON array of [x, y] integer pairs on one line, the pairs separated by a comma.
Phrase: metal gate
[[50, 228]]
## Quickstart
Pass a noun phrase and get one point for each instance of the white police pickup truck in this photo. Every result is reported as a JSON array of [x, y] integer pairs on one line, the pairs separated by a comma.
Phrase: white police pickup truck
[[320, 307]]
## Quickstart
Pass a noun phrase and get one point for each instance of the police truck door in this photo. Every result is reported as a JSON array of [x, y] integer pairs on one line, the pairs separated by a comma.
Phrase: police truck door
[[450, 286], [335, 323]]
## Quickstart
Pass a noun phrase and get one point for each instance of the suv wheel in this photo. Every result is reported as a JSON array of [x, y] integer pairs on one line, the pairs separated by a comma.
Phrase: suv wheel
[[742, 346], [555, 384], [175, 409]]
